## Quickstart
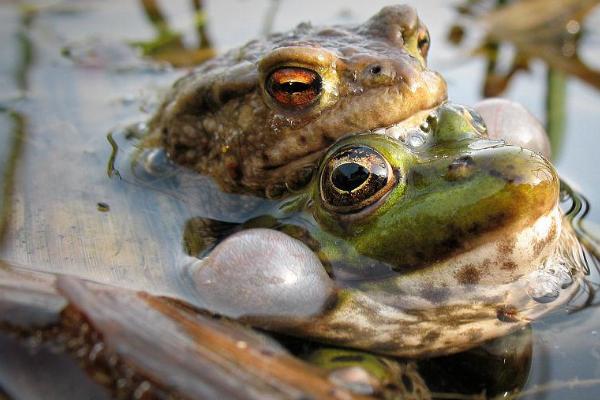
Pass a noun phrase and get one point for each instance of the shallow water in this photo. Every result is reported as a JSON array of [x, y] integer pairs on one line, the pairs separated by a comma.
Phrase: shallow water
[[57, 110]]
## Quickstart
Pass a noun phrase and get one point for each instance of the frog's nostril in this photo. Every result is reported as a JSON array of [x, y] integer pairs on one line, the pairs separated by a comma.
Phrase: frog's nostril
[[381, 73], [375, 69], [460, 168], [349, 176]]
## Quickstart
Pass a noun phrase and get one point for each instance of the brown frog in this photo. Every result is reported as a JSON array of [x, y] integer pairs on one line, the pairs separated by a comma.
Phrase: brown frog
[[258, 118]]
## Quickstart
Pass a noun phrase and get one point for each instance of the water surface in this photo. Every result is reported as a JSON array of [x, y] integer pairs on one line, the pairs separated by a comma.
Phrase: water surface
[[68, 78]]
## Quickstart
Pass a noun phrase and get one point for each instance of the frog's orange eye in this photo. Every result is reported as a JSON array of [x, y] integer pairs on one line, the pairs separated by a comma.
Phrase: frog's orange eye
[[355, 177], [423, 42], [294, 87]]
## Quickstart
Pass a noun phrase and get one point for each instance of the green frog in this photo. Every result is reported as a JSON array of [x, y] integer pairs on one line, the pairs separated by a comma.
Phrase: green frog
[[427, 241], [258, 118]]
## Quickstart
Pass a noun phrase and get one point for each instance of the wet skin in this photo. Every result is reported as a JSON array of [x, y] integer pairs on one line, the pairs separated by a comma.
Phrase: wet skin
[[429, 236], [259, 117]]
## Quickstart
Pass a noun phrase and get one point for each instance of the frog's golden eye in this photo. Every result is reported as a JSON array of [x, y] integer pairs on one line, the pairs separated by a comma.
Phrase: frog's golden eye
[[423, 42], [294, 87], [355, 177]]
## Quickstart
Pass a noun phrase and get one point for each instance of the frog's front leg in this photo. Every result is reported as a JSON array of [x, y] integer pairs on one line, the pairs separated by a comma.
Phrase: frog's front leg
[[371, 374], [495, 368]]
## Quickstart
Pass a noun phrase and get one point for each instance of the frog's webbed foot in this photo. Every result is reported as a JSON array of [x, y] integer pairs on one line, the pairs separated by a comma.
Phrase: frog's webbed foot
[[201, 235], [263, 275], [371, 374]]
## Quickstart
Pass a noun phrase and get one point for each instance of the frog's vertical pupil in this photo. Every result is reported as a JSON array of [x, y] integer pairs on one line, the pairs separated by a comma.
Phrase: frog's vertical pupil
[[349, 176]]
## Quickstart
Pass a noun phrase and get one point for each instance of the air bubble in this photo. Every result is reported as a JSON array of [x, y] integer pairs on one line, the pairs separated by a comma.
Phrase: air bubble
[[156, 162], [416, 139], [486, 144], [136, 131], [544, 287], [563, 274]]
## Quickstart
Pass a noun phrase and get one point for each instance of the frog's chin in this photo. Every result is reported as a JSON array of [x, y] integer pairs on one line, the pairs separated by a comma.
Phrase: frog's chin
[[501, 256], [497, 259]]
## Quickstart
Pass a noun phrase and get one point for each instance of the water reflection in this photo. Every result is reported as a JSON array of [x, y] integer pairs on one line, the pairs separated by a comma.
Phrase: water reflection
[[151, 170], [535, 29], [498, 369], [168, 44], [576, 209], [9, 162], [13, 143]]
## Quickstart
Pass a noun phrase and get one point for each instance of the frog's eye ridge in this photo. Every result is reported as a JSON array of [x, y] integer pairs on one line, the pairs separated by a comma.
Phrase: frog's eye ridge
[[294, 87], [353, 178]]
